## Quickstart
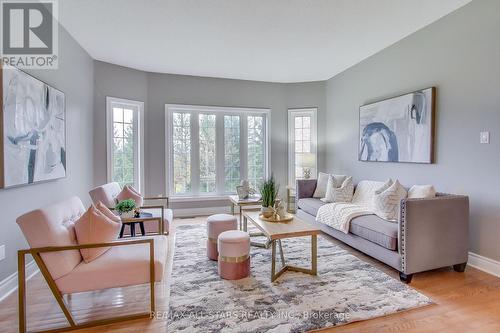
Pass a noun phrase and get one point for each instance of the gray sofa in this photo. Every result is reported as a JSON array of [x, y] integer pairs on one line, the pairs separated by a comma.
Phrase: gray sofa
[[432, 233]]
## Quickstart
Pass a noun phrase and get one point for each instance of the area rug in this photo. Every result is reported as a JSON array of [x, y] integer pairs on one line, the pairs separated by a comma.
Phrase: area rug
[[346, 289]]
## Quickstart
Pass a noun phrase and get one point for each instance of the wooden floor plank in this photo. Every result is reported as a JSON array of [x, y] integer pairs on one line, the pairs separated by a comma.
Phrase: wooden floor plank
[[465, 302]]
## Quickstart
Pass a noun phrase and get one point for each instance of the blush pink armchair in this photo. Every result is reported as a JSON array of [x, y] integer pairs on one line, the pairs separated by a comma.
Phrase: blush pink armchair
[[51, 236], [108, 192]]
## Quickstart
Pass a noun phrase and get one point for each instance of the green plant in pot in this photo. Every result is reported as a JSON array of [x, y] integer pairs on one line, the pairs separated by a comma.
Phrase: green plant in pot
[[126, 208], [269, 193]]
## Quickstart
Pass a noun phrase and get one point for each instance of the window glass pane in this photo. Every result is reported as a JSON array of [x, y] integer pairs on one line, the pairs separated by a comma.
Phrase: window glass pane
[[306, 122], [123, 148], [128, 116], [181, 153], [117, 114], [298, 122], [118, 130], [255, 151], [207, 153], [231, 153]]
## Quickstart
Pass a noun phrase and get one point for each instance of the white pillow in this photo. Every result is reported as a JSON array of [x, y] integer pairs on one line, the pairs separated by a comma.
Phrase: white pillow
[[321, 184], [386, 203], [341, 194], [421, 192], [384, 187]]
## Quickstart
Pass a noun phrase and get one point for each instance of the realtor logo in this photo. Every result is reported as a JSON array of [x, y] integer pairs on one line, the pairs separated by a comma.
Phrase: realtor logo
[[29, 33]]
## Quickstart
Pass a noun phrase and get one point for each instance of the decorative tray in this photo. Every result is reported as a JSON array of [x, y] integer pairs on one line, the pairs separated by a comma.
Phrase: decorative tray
[[286, 218]]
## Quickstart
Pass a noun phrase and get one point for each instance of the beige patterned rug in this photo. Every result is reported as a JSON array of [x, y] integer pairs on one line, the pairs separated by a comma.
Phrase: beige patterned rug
[[345, 290]]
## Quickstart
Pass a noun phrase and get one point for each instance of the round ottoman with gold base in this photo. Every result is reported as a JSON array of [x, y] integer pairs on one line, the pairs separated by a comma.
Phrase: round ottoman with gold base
[[217, 224], [234, 255]]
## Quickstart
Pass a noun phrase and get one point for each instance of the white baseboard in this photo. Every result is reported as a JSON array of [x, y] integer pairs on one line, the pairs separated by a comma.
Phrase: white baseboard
[[485, 264], [9, 284], [193, 212]]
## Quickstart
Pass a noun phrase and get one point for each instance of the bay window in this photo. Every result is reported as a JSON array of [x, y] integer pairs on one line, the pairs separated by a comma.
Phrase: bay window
[[211, 149]]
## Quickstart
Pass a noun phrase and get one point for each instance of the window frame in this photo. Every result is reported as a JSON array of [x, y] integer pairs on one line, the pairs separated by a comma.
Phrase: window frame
[[136, 106], [298, 112], [195, 110]]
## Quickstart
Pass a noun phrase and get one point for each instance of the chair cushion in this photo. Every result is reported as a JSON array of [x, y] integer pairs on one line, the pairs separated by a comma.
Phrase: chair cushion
[[219, 223], [121, 266], [310, 205], [376, 230], [54, 226], [128, 192], [233, 243], [95, 227], [106, 194]]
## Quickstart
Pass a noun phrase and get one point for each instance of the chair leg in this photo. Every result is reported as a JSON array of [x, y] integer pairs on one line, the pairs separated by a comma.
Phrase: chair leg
[[21, 280], [141, 225]]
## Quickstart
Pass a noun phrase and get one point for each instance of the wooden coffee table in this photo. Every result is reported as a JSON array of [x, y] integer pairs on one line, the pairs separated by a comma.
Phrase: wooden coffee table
[[275, 232]]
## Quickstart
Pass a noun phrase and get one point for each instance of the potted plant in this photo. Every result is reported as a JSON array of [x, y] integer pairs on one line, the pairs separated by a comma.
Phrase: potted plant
[[126, 208], [269, 193]]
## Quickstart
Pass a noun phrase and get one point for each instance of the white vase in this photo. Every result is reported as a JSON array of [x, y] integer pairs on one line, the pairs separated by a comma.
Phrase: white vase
[[127, 215]]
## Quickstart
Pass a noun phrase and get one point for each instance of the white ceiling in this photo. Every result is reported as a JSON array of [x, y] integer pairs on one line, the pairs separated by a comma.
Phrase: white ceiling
[[264, 40]]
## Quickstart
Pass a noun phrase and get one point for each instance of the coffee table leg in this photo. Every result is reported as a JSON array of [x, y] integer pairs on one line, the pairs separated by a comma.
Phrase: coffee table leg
[[282, 254], [122, 230], [314, 255], [273, 261]]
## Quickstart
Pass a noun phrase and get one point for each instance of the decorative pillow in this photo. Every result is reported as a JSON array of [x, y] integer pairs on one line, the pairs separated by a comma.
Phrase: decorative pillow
[[109, 214], [321, 184], [128, 192], [341, 194], [384, 187], [421, 192], [95, 227], [338, 180], [386, 203]]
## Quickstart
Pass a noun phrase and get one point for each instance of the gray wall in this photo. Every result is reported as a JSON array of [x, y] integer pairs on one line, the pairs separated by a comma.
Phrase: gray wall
[[458, 54], [161, 89], [75, 78]]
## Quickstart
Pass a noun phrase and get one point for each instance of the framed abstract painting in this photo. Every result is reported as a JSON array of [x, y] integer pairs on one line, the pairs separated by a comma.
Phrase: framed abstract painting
[[32, 130], [399, 129]]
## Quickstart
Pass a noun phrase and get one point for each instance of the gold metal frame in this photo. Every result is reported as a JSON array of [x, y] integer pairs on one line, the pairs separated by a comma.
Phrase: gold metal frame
[[314, 260], [36, 253]]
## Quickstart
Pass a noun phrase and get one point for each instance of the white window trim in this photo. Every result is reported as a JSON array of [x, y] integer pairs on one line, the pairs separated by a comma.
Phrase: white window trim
[[140, 144], [171, 108], [292, 113]]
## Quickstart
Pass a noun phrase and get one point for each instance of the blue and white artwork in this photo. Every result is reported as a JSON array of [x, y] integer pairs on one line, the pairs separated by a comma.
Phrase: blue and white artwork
[[398, 129], [34, 130]]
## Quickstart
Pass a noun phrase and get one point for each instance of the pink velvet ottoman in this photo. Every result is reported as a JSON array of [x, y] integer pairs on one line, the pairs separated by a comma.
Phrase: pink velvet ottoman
[[234, 255], [217, 224]]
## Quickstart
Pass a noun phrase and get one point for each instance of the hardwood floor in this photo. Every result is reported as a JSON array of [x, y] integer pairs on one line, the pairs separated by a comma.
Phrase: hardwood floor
[[465, 302]]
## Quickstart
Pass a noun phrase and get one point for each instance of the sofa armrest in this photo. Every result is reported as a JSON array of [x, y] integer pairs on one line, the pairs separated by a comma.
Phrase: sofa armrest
[[305, 188], [433, 233]]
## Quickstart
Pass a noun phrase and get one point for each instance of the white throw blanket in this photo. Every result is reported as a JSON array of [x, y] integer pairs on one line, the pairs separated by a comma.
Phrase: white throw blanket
[[339, 215]]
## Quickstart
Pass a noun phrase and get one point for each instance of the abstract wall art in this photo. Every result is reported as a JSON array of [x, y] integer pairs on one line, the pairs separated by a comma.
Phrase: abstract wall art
[[399, 129], [32, 131]]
